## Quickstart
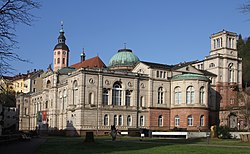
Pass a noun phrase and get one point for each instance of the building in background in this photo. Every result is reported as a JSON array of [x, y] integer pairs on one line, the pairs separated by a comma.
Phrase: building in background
[[130, 93]]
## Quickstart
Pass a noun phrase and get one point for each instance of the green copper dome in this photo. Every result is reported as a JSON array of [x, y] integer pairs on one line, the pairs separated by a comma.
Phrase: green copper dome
[[123, 59], [189, 76]]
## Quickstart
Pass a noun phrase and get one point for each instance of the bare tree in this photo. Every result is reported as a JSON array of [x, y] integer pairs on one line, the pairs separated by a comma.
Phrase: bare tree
[[12, 13], [245, 8]]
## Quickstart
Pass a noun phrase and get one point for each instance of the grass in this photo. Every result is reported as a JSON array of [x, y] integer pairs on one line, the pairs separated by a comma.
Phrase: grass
[[72, 145]]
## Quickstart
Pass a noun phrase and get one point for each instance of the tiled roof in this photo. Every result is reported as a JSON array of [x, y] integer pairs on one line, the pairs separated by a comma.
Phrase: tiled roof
[[94, 62]]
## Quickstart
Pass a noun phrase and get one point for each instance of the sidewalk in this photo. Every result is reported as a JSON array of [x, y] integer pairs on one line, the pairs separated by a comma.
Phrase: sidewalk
[[22, 147]]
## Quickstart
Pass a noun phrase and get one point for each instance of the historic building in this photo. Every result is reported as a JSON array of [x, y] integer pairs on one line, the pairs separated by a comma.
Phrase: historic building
[[131, 93]]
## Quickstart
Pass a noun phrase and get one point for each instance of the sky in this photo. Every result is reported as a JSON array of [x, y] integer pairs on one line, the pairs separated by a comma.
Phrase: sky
[[160, 31]]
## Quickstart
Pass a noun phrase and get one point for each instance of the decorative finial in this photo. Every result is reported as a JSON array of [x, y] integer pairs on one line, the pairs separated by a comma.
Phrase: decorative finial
[[61, 27], [125, 45], [83, 52]]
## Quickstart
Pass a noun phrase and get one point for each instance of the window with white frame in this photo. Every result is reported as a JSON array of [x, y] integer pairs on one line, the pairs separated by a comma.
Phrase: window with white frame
[[105, 96], [202, 120], [106, 120], [190, 120], [177, 120], [128, 98], [141, 121], [142, 101], [190, 95], [75, 92], [177, 95], [160, 121], [160, 95], [129, 120], [230, 73], [117, 94], [91, 98], [120, 120]]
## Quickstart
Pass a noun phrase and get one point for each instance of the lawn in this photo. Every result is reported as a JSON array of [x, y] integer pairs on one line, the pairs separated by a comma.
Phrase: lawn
[[132, 145]]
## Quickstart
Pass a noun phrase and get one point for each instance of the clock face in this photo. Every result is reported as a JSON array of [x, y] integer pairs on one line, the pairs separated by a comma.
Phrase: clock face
[[64, 52]]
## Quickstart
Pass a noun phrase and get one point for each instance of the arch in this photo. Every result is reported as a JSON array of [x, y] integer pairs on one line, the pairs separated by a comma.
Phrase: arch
[[202, 95], [230, 72], [75, 92], [117, 93], [106, 120], [190, 95], [91, 98], [48, 84], [177, 93], [211, 65], [160, 95]]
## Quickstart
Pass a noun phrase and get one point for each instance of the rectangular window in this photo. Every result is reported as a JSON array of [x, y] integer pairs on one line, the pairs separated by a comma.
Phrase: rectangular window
[[157, 74]]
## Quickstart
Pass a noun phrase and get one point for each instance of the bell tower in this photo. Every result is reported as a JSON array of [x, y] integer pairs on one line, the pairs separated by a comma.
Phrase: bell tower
[[61, 52]]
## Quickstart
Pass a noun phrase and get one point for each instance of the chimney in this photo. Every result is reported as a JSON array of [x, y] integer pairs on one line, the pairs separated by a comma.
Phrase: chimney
[[83, 55]]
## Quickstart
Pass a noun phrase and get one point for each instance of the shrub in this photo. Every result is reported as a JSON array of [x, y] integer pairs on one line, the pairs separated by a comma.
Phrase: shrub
[[224, 132]]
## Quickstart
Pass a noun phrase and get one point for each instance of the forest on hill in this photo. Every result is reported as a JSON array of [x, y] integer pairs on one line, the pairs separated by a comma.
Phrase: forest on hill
[[243, 46]]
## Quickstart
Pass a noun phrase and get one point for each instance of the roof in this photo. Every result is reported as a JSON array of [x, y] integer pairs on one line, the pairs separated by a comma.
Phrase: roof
[[157, 65], [207, 73], [180, 65], [62, 46], [124, 57], [94, 62], [66, 70], [190, 76]]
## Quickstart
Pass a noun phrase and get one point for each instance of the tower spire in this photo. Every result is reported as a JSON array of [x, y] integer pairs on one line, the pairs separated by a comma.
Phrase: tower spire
[[83, 55]]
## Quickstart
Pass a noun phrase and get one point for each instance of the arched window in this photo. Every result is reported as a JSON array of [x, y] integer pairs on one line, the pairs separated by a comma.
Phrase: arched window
[[106, 120], [190, 95], [120, 120], [115, 120], [211, 65], [160, 121], [58, 60], [91, 98], [190, 120], [128, 98], [202, 120], [129, 120], [105, 96], [202, 95], [141, 121], [177, 120], [48, 84], [177, 95], [117, 94], [230, 73], [75, 92], [160, 95]]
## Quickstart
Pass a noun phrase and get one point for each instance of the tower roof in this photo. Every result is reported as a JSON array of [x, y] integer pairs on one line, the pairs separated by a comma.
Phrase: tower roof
[[61, 41]]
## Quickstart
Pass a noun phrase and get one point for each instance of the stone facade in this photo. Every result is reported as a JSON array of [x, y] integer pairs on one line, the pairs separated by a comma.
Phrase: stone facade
[[153, 96]]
